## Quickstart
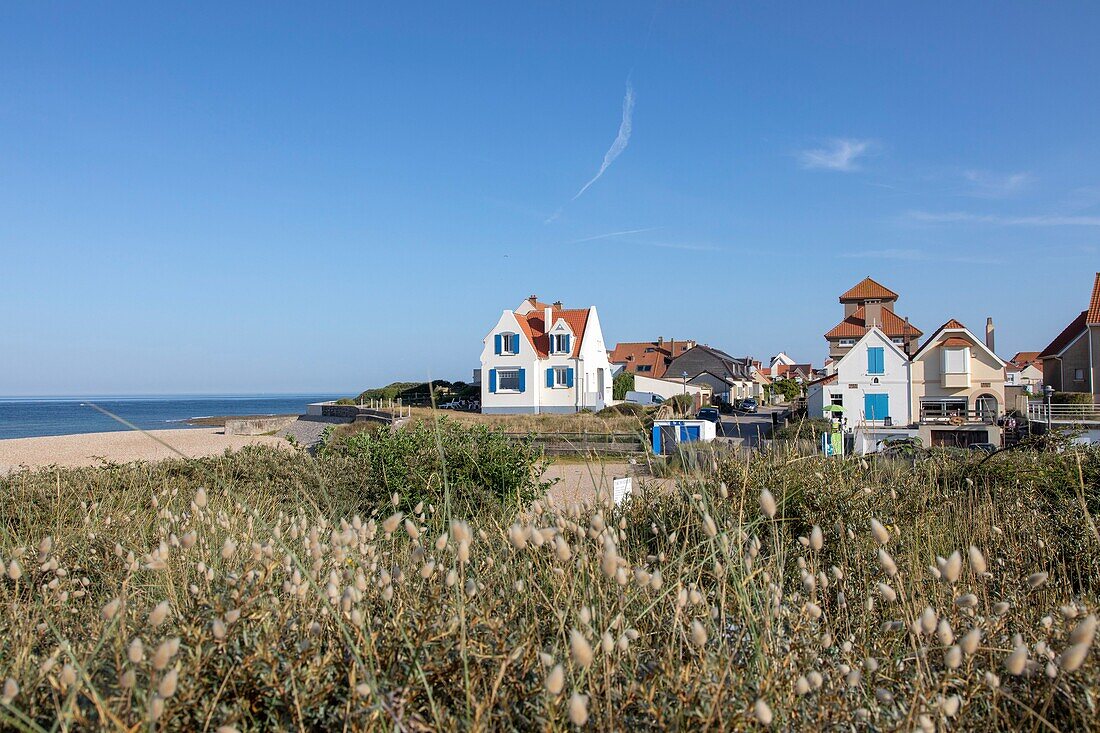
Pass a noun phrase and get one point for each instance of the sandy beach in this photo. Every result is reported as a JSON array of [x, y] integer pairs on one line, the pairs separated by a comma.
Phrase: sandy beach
[[89, 449]]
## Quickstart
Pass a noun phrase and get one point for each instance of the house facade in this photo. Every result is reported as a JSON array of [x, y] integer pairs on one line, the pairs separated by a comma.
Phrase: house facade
[[545, 358], [958, 388], [870, 304], [1025, 370], [1071, 362], [729, 378], [871, 384], [950, 392]]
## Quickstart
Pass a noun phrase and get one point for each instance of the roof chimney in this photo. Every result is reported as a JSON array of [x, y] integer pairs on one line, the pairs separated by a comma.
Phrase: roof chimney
[[558, 305], [989, 334], [533, 298], [660, 340]]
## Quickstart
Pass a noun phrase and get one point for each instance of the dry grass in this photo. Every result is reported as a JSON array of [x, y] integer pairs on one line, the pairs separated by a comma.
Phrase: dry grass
[[550, 423], [758, 593]]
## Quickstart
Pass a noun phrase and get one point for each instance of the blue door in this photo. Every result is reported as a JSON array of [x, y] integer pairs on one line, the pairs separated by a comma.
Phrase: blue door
[[876, 407]]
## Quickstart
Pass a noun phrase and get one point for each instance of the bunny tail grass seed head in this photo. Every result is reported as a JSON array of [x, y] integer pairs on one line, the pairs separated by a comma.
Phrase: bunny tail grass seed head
[[767, 504], [882, 536], [555, 681], [580, 649], [578, 709], [762, 712]]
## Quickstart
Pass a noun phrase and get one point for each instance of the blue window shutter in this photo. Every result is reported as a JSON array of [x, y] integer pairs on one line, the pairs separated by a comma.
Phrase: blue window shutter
[[522, 380], [884, 405], [569, 377], [550, 377], [875, 361], [869, 407], [493, 379], [496, 344], [568, 344]]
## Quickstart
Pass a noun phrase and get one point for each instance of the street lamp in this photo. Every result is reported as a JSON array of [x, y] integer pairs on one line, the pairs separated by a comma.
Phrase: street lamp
[[1048, 391], [684, 374]]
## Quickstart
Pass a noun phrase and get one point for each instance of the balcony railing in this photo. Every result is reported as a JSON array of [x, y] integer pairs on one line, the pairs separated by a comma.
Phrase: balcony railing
[[1073, 413], [951, 415]]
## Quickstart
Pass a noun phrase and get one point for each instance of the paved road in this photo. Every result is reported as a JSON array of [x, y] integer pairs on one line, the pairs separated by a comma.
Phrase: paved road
[[749, 427]]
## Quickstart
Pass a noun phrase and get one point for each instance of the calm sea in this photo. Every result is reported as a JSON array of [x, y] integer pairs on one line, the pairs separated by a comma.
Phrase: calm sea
[[24, 417]]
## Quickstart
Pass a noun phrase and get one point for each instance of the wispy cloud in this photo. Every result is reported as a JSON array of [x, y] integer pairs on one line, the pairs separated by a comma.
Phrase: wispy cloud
[[985, 184], [620, 142], [841, 154], [1040, 220], [634, 242], [913, 255], [622, 139], [611, 235]]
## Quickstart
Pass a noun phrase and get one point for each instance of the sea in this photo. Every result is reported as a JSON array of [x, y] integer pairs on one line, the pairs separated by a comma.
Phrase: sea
[[27, 417]]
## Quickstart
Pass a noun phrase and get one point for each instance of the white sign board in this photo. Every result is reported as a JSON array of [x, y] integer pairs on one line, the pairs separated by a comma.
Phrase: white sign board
[[621, 488]]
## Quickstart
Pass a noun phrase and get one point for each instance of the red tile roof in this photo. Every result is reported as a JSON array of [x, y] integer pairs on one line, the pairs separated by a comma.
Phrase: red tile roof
[[855, 325], [655, 354], [867, 289], [1024, 358], [1094, 303], [1068, 335], [955, 341], [534, 327]]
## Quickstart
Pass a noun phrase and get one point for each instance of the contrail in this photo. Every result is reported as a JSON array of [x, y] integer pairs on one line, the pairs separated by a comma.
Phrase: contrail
[[621, 140], [614, 234]]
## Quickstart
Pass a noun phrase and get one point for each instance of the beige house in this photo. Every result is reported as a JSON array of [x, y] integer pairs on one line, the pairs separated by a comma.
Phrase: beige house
[[958, 388], [1071, 363]]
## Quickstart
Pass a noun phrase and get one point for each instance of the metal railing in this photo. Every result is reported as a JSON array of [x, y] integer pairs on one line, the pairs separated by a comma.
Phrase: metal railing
[[1064, 413], [951, 415]]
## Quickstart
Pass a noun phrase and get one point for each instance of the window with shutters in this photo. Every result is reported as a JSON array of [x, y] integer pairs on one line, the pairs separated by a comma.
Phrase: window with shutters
[[507, 380], [875, 360], [561, 376], [559, 343], [956, 361], [507, 344]]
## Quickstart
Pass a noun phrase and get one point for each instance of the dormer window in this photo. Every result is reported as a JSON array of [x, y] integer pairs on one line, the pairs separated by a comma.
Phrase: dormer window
[[507, 344], [559, 343], [956, 360]]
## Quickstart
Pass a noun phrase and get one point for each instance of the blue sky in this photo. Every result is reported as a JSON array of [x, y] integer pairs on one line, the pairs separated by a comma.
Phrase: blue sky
[[203, 198]]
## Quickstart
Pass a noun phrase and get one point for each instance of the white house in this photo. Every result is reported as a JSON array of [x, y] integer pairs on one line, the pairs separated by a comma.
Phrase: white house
[[545, 358], [871, 383]]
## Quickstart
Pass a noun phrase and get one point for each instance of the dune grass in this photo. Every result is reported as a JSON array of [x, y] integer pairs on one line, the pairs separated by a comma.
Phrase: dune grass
[[262, 590]]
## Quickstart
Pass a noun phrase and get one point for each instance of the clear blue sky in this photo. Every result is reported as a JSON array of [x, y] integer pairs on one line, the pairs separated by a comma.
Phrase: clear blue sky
[[223, 198]]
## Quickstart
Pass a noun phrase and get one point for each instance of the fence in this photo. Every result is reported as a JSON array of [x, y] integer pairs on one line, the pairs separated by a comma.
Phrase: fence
[[1064, 413]]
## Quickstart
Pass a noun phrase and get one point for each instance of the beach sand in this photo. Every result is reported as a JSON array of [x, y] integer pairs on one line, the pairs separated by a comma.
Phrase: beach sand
[[121, 447]]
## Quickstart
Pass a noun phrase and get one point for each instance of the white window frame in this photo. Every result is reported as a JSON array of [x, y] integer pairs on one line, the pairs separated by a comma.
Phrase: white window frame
[[846, 342], [561, 377], [898, 340], [555, 346], [963, 353], [512, 372], [505, 338], [1078, 378]]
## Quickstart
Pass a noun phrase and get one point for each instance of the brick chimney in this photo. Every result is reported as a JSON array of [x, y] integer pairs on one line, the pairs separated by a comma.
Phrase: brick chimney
[[872, 314], [533, 299], [558, 305], [989, 334]]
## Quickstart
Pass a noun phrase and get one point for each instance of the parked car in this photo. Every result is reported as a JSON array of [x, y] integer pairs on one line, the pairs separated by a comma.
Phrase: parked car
[[709, 413], [747, 405], [984, 447], [644, 398]]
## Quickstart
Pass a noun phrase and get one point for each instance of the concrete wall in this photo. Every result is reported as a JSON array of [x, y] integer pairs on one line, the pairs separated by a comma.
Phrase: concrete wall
[[258, 425], [668, 388]]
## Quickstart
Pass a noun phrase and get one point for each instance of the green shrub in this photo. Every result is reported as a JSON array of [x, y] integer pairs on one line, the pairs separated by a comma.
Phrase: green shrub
[[1071, 398], [623, 383], [807, 428]]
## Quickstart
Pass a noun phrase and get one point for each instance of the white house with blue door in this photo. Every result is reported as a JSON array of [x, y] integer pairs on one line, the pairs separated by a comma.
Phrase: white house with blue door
[[545, 358], [872, 384]]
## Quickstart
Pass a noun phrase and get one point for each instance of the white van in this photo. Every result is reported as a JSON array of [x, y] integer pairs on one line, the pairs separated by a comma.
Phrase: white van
[[644, 398]]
